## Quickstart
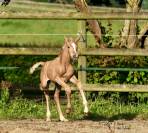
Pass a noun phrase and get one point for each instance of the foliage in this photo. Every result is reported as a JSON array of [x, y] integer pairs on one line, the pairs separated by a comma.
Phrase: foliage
[[107, 110], [4, 97], [21, 75], [22, 108], [100, 109], [132, 77], [107, 34]]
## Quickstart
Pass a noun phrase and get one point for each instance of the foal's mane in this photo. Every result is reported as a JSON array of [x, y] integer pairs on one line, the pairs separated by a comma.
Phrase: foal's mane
[[63, 47], [61, 52]]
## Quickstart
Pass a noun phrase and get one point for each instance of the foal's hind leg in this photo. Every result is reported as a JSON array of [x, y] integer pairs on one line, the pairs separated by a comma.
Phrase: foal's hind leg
[[48, 114], [46, 93]]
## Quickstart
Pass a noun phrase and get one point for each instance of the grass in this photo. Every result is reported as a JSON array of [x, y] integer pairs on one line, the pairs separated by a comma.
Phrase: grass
[[47, 33], [107, 110], [55, 37], [100, 109], [50, 33], [56, 30]]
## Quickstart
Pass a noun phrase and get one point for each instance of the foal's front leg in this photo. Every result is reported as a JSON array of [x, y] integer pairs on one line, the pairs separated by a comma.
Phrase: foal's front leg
[[75, 81], [56, 98], [68, 93], [60, 82]]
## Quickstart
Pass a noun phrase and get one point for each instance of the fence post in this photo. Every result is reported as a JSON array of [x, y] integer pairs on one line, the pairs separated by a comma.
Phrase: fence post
[[81, 46]]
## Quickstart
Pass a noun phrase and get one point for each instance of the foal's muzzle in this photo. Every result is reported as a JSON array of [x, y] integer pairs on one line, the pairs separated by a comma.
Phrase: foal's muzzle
[[75, 58]]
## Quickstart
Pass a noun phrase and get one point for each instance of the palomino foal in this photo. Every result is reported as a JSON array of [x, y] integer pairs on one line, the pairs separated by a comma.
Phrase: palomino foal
[[60, 71]]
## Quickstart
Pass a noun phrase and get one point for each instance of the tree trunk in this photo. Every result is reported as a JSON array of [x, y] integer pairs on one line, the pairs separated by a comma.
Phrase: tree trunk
[[143, 37], [93, 25], [125, 31], [129, 37], [132, 39]]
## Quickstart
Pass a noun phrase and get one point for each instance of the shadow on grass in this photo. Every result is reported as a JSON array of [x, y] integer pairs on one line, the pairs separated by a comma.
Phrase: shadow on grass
[[95, 117]]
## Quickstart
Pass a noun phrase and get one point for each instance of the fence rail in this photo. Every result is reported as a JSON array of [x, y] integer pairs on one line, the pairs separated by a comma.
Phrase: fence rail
[[99, 87], [115, 88], [28, 51], [82, 52], [114, 52], [75, 16]]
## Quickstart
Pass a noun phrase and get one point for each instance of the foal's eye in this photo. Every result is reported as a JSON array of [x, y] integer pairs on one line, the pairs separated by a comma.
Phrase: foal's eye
[[68, 47]]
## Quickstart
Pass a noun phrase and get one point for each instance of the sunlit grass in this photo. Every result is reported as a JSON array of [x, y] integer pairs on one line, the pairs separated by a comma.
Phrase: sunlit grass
[[49, 33], [45, 32], [100, 109]]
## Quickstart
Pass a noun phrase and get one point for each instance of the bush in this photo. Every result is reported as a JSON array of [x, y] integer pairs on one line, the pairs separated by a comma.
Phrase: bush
[[21, 75]]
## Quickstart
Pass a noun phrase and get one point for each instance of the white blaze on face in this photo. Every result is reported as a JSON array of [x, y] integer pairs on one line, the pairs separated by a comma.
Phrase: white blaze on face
[[74, 47]]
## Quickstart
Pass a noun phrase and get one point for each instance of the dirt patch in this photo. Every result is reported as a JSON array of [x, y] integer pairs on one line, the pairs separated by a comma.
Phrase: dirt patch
[[82, 126]]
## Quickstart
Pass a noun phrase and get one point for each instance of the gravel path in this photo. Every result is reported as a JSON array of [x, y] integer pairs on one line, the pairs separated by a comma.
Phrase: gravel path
[[83, 126]]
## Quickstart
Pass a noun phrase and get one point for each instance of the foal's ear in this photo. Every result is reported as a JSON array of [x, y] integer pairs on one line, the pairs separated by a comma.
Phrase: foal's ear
[[78, 38], [66, 40]]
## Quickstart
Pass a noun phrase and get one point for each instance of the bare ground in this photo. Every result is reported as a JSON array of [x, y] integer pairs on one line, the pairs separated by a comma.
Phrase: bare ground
[[81, 126]]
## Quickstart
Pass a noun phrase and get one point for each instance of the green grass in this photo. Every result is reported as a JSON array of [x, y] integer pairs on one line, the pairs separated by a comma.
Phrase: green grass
[[62, 28], [100, 109], [50, 33], [51, 27], [56, 30]]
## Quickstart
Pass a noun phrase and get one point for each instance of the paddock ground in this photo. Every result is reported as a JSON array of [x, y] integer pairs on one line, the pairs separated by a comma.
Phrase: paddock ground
[[79, 126]]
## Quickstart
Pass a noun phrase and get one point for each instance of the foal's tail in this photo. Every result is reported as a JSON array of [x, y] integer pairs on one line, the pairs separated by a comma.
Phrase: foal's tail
[[32, 69]]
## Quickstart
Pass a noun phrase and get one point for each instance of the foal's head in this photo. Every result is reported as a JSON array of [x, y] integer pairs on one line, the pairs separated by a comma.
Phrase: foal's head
[[72, 47]]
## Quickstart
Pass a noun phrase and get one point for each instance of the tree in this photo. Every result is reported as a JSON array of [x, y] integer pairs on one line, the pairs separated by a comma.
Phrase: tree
[[143, 37], [93, 25], [129, 38]]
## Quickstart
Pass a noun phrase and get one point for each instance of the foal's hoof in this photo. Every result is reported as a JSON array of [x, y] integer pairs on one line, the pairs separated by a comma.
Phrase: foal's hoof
[[48, 120], [63, 119], [86, 113], [68, 110]]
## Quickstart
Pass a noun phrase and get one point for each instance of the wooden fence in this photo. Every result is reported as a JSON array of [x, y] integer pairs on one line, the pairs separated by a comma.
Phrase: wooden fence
[[75, 16], [83, 50]]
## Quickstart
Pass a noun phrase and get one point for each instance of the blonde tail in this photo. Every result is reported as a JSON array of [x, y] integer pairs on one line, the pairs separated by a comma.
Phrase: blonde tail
[[32, 69]]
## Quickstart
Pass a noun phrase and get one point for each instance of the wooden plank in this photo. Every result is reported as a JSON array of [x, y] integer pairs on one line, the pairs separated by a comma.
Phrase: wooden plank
[[114, 51], [100, 87], [66, 6], [112, 69], [84, 52], [29, 51], [81, 46], [75, 16], [115, 88]]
